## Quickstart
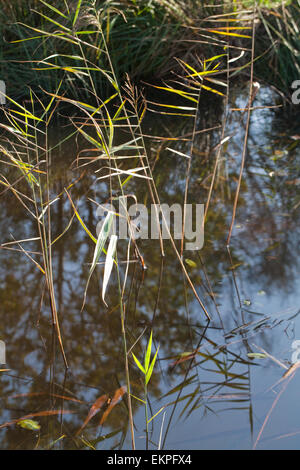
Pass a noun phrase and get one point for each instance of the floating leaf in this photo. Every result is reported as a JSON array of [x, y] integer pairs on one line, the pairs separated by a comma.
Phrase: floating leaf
[[31, 415], [234, 266], [191, 263], [257, 355], [94, 410], [29, 424], [261, 292], [115, 400]]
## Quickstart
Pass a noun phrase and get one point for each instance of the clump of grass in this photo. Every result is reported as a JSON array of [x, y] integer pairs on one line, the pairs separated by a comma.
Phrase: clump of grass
[[280, 33], [142, 37]]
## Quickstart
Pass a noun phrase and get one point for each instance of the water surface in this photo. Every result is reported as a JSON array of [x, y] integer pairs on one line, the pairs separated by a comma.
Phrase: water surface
[[214, 393]]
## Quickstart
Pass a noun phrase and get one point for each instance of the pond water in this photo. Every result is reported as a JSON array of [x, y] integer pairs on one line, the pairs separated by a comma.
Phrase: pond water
[[216, 384]]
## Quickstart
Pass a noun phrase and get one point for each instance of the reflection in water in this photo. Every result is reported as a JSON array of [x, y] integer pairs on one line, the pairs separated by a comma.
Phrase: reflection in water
[[209, 382]]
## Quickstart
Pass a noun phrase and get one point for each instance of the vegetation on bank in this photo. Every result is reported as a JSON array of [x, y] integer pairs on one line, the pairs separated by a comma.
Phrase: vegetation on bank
[[40, 40]]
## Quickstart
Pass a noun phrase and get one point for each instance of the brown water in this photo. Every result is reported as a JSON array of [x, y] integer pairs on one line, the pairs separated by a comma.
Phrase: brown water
[[220, 399]]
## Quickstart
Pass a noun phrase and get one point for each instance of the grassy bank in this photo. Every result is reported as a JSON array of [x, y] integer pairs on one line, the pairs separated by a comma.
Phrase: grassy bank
[[45, 42]]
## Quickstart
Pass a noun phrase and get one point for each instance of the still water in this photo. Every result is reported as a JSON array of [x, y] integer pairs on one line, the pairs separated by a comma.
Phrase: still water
[[217, 385]]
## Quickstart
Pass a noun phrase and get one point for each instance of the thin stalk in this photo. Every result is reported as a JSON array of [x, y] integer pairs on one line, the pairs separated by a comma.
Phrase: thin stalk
[[188, 172], [122, 312], [146, 415], [246, 131]]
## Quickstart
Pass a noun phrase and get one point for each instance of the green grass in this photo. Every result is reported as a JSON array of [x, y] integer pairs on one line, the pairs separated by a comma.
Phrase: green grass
[[281, 34], [139, 36]]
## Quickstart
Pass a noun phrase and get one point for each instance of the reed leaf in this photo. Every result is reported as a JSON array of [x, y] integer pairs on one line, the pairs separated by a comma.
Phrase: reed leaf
[[109, 261]]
